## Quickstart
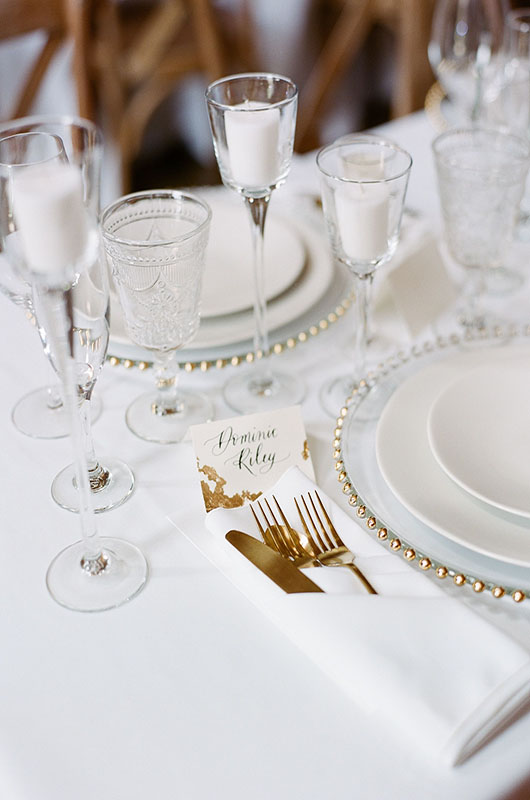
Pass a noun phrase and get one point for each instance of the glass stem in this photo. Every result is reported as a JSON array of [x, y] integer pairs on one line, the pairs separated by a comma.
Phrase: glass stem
[[258, 207], [98, 476], [472, 316], [60, 327], [166, 377], [54, 400], [363, 291]]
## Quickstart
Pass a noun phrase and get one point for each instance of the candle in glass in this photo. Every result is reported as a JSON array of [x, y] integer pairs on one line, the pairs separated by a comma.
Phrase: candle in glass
[[364, 181], [252, 118]]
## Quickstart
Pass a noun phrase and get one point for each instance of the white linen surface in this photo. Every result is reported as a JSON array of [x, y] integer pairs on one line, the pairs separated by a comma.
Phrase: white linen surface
[[423, 662]]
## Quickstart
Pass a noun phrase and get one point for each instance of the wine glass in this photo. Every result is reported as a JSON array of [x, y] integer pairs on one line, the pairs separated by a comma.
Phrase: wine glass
[[511, 107], [111, 481], [252, 119], [481, 176], [155, 242], [466, 38], [40, 413], [50, 235], [364, 181]]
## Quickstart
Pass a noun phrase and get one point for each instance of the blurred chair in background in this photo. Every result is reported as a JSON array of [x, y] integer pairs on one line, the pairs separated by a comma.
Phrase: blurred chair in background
[[58, 22], [409, 22], [142, 50]]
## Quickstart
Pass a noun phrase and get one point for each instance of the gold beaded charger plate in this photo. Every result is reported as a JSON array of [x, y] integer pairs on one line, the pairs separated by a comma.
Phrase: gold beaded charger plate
[[408, 521], [319, 296]]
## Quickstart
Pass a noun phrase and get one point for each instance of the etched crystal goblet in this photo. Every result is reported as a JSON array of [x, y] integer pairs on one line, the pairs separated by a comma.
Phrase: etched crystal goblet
[[481, 177], [155, 242]]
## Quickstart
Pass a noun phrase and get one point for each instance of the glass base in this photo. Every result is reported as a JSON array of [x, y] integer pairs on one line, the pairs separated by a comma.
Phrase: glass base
[[113, 493], [334, 393], [252, 391], [33, 417], [123, 577], [194, 408]]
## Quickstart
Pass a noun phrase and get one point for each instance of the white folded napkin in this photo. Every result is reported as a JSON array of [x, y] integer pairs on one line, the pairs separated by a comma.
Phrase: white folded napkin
[[413, 655]]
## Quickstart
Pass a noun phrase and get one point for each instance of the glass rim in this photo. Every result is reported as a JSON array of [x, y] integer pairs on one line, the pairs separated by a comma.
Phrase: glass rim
[[30, 134], [167, 194], [489, 131], [51, 119], [239, 76], [369, 139]]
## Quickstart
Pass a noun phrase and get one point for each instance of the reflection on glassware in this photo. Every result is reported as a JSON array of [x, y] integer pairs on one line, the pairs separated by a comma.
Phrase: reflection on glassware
[[113, 481], [155, 242], [40, 414], [49, 234], [252, 118], [481, 175], [466, 38], [364, 180]]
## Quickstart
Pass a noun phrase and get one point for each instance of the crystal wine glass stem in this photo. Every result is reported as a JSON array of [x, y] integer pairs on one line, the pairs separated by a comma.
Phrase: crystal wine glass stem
[[166, 377], [92, 561], [472, 315], [98, 477], [54, 399], [258, 207], [363, 290]]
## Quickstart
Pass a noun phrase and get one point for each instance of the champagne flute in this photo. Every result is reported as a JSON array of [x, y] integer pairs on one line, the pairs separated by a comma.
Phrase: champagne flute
[[49, 234], [252, 119], [111, 480], [364, 181], [40, 413]]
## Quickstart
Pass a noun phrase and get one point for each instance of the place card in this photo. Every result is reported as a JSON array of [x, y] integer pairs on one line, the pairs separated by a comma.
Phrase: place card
[[239, 458]]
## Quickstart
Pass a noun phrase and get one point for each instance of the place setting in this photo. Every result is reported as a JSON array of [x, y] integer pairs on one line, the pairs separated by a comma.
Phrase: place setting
[[358, 585]]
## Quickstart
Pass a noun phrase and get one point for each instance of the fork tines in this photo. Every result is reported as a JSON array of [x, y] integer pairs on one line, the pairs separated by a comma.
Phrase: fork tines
[[278, 535]]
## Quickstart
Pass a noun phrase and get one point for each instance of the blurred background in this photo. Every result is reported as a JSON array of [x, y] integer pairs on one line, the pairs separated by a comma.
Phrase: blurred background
[[139, 68]]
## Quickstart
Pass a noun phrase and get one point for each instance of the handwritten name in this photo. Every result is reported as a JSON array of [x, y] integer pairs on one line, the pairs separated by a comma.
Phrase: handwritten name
[[252, 454]]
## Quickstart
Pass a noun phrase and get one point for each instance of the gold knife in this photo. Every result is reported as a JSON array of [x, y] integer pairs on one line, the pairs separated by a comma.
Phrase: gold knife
[[273, 565]]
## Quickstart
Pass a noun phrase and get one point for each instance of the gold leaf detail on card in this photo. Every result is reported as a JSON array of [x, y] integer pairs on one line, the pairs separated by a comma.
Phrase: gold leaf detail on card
[[305, 451], [216, 497]]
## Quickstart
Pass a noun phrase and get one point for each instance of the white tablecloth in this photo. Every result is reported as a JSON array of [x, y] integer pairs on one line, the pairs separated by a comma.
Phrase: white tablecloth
[[188, 691]]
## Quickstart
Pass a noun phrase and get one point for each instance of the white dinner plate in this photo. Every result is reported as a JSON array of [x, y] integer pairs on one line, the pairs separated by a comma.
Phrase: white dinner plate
[[479, 432], [410, 470], [228, 282]]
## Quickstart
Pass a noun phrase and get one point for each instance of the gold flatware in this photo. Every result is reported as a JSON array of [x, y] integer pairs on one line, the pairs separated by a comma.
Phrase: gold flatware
[[331, 552], [274, 566], [280, 536], [315, 548]]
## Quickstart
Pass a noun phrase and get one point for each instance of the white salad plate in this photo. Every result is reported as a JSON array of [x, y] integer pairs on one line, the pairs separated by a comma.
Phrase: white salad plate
[[479, 432], [228, 283], [411, 471]]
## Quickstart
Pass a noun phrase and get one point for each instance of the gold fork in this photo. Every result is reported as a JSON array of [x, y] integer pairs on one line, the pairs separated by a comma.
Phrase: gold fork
[[280, 536], [317, 550], [328, 552]]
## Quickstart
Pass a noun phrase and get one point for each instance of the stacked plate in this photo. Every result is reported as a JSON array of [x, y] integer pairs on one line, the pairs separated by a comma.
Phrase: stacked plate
[[303, 283], [438, 451]]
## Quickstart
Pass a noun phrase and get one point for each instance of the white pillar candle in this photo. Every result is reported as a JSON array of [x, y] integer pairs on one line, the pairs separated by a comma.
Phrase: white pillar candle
[[50, 216], [252, 138], [363, 167], [362, 218]]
